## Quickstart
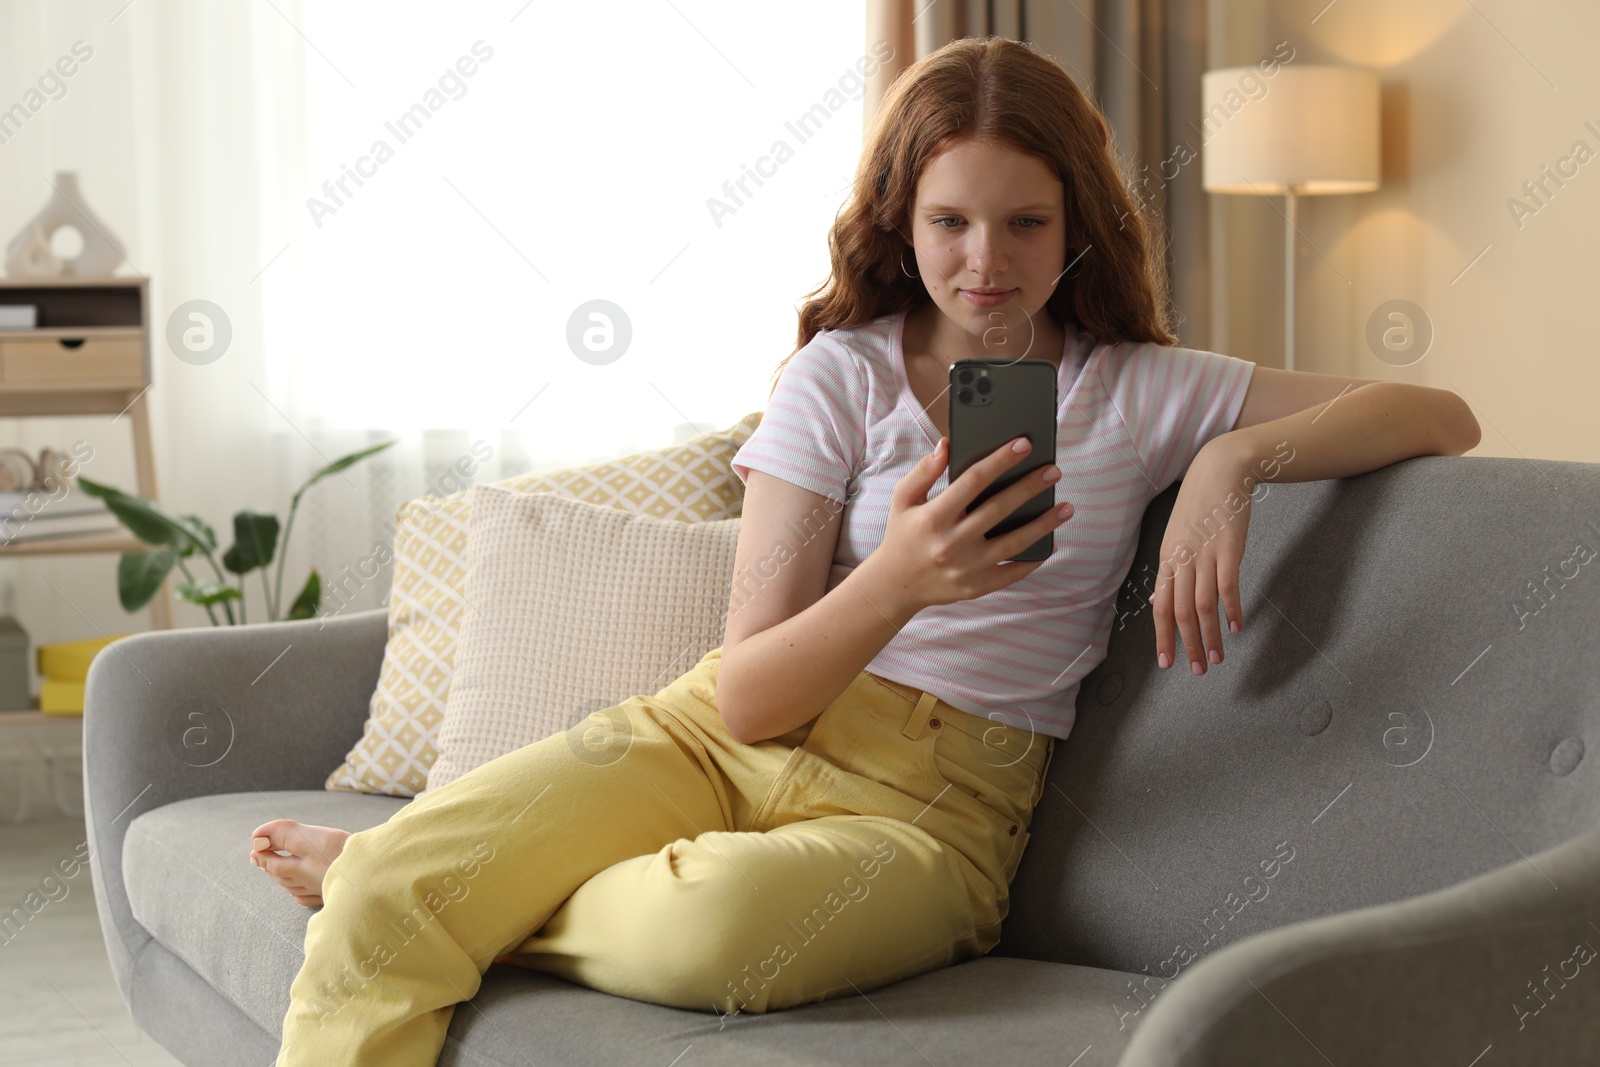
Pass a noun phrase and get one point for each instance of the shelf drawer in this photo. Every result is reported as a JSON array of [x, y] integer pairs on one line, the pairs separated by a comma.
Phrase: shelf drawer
[[92, 363]]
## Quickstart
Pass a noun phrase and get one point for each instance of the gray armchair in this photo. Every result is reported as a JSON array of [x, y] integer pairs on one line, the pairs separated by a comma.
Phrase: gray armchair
[[1370, 836]]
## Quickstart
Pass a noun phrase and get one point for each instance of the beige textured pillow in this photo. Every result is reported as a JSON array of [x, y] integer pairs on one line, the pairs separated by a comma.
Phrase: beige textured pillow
[[573, 608], [690, 482]]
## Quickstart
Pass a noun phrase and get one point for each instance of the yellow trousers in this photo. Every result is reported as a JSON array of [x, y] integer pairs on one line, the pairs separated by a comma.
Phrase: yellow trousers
[[647, 853]]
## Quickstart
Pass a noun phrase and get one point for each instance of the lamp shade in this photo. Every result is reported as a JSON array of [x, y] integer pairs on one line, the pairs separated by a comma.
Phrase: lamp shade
[[1312, 128]]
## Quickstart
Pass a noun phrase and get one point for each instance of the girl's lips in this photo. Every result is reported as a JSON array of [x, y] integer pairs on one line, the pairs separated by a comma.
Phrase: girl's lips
[[987, 300]]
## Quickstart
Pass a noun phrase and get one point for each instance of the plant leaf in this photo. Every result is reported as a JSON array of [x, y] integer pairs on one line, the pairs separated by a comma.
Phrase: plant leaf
[[338, 465], [305, 605], [208, 592], [255, 539], [148, 521], [139, 575], [202, 528]]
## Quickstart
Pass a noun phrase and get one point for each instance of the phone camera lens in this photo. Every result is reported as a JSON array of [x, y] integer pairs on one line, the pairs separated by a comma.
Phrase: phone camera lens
[[965, 396], [964, 376], [984, 385]]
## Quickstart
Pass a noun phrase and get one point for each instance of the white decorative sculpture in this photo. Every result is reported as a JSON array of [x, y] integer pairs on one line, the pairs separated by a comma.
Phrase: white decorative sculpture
[[29, 254]]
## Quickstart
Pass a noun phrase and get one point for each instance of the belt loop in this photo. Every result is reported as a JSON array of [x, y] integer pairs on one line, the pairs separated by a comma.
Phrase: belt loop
[[920, 716]]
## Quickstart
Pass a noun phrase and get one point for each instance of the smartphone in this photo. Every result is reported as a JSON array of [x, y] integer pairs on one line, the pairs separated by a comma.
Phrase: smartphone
[[993, 402]]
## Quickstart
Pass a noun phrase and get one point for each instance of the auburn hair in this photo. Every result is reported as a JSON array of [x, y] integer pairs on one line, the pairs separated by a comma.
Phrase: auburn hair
[[999, 91]]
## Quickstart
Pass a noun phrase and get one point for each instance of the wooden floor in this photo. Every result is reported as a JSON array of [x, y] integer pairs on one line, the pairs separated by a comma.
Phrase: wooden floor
[[58, 1002]]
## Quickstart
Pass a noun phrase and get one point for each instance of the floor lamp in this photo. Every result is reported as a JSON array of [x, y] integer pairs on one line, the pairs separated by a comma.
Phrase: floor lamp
[[1302, 131]]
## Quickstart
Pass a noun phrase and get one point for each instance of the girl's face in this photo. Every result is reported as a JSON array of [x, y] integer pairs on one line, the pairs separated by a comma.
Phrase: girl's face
[[989, 230]]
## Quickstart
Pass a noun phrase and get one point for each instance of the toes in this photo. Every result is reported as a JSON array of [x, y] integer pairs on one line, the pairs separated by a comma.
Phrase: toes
[[300, 839], [286, 870], [296, 855], [273, 835], [272, 839], [277, 848]]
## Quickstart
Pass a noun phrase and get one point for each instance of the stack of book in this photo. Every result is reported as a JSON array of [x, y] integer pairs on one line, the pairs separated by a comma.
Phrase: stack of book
[[64, 668], [36, 515]]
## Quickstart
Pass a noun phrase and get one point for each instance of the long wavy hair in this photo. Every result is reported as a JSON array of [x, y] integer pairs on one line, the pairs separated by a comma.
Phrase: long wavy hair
[[994, 90]]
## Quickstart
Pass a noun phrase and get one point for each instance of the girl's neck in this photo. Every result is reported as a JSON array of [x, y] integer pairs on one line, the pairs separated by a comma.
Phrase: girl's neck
[[929, 334]]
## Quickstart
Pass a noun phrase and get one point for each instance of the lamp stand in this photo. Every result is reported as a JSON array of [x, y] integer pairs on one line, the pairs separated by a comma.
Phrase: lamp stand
[[1291, 202]]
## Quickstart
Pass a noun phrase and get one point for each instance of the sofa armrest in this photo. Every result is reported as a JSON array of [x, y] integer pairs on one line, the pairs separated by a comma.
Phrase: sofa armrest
[[173, 714], [1508, 959]]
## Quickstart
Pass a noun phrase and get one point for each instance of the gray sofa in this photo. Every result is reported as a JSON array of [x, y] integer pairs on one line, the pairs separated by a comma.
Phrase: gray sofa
[[1369, 837]]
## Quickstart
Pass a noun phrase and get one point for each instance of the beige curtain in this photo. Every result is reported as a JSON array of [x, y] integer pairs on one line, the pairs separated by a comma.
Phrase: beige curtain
[[1140, 61]]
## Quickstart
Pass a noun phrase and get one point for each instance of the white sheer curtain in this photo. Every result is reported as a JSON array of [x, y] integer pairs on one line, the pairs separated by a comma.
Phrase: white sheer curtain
[[400, 208]]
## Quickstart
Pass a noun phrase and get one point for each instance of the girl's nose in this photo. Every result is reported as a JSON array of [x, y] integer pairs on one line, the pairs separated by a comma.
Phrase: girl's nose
[[987, 253]]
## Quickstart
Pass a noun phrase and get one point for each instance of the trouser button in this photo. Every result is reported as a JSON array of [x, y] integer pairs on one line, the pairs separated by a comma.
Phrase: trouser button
[[933, 723], [1013, 829]]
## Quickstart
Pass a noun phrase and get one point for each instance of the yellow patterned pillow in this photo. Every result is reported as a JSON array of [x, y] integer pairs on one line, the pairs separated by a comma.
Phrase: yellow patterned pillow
[[691, 482]]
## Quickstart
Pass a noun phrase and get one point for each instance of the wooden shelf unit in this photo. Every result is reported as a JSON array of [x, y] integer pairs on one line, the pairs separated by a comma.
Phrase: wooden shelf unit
[[31, 716], [89, 354]]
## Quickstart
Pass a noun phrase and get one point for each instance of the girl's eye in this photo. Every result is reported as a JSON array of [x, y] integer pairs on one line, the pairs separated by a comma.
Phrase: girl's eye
[[940, 222]]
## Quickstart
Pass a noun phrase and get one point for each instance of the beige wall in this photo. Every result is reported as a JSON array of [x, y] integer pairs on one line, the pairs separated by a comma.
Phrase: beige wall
[[1475, 102]]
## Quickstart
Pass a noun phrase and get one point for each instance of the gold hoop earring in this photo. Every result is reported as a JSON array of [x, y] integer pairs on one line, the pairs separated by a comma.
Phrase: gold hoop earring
[[908, 274]]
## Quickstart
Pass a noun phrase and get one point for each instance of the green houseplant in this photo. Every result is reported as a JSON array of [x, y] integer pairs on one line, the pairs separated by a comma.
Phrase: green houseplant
[[176, 538]]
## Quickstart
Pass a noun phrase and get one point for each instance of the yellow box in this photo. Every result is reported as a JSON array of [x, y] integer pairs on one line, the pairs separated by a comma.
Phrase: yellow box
[[68, 661], [61, 698]]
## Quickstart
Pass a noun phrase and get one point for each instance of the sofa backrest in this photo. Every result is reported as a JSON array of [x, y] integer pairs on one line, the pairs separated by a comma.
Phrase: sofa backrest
[[1408, 705]]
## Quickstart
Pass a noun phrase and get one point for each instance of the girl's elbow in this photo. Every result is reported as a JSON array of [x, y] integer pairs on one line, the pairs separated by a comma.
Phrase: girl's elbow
[[743, 731], [1471, 435], [737, 725], [1464, 433]]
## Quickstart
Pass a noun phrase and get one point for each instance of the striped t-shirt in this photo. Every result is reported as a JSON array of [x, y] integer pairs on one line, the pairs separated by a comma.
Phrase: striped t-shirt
[[844, 423]]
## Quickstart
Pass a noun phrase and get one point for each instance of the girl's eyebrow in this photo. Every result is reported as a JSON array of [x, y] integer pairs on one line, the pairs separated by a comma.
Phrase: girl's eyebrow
[[1027, 207]]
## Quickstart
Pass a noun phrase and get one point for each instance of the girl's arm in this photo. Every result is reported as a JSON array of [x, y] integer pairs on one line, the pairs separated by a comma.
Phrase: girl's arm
[[790, 648], [1360, 430]]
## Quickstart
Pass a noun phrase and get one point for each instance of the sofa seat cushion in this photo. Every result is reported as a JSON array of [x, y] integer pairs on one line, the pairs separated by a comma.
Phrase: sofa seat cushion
[[995, 1009], [190, 884], [186, 868]]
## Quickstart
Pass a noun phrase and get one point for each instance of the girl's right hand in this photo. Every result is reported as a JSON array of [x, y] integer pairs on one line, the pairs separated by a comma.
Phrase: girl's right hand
[[934, 552]]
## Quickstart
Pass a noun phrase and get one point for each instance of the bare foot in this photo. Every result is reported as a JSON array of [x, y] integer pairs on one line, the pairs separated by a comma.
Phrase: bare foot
[[297, 855]]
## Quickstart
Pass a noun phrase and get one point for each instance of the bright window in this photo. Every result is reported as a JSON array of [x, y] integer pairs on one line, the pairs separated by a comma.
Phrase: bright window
[[575, 162]]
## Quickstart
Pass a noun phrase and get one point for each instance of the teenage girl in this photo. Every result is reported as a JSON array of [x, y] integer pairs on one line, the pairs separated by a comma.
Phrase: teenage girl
[[837, 798]]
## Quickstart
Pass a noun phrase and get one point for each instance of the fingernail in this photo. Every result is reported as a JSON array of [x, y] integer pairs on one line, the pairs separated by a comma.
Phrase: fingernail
[[1194, 665], [1064, 510], [1051, 473], [261, 842], [1163, 659], [1020, 445], [1214, 656], [1233, 624]]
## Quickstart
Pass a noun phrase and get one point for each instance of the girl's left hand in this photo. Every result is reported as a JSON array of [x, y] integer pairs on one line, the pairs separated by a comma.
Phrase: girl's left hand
[[1200, 557]]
